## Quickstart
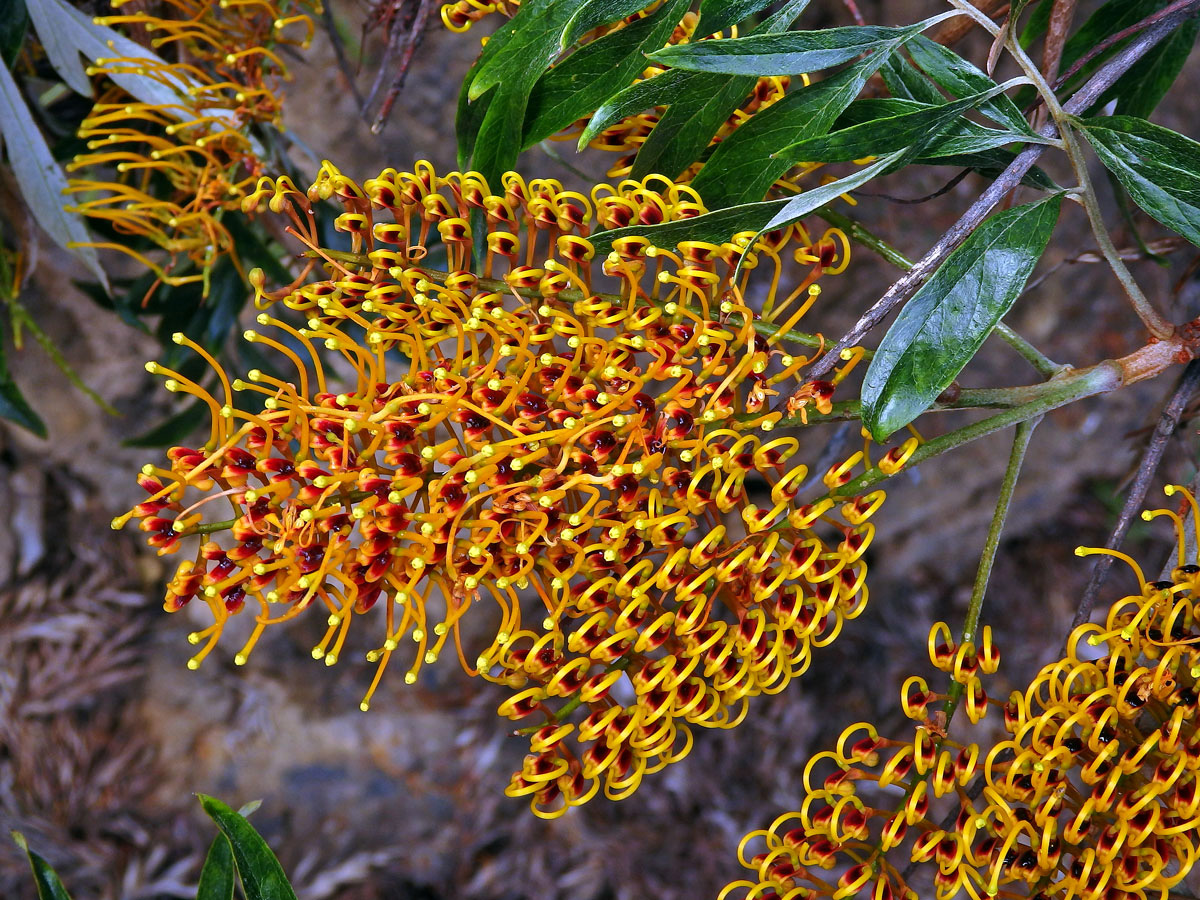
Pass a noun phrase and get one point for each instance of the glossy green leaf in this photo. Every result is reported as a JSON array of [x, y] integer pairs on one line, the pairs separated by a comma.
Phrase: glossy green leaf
[[697, 111], [14, 23], [717, 227], [502, 79], [961, 78], [944, 324], [261, 874], [906, 82], [688, 89], [594, 13], [636, 98], [689, 123], [990, 163], [884, 135], [1107, 20], [1139, 91], [1160, 168], [45, 880], [218, 875], [742, 167], [961, 136], [589, 76], [39, 178], [717, 15], [790, 53]]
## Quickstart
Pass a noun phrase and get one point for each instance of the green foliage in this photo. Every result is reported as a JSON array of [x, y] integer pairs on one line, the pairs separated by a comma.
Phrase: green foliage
[[1159, 168], [943, 326], [237, 853]]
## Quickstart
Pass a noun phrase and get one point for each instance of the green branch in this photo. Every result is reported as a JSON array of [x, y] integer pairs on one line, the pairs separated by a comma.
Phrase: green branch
[[991, 544]]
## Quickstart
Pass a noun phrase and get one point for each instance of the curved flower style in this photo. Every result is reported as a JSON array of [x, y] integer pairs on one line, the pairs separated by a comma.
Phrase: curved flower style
[[1093, 795], [508, 438], [205, 146]]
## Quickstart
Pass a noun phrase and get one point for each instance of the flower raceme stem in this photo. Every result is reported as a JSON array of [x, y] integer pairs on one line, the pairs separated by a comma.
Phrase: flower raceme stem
[[1093, 793], [557, 481]]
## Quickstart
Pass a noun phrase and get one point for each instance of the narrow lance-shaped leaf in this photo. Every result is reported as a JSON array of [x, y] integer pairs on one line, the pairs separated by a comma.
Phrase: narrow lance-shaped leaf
[[594, 13], [944, 324], [495, 92], [906, 82], [218, 875], [674, 86], [790, 53], [1139, 90], [1160, 168], [632, 100], [885, 135], [590, 75], [699, 109], [961, 78], [45, 879], [262, 876], [717, 227], [743, 167], [14, 22], [717, 15], [39, 177], [962, 136]]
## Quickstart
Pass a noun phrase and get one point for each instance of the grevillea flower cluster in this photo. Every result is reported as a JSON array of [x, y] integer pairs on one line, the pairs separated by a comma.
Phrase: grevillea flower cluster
[[1093, 794], [169, 173], [503, 457]]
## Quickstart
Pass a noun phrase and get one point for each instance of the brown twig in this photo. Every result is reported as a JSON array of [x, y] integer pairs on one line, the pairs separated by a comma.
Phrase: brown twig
[[1061, 16], [953, 30], [907, 284], [854, 12], [1168, 421], [404, 36], [339, 52]]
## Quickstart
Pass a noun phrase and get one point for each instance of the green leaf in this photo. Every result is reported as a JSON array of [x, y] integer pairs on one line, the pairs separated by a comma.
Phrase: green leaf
[[906, 82], [697, 111], [654, 91], [944, 324], [1159, 168], [590, 75], [743, 167], [262, 876], [594, 13], [990, 163], [14, 22], [1112, 17], [48, 885], [39, 177], [217, 876], [717, 15], [961, 78], [507, 73], [717, 227], [791, 53], [890, 133], [961, 136], [1141, 89], [689, 123]]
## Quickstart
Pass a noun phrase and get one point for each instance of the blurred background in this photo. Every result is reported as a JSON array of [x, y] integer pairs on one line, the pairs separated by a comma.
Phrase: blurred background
[[105, 736]]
